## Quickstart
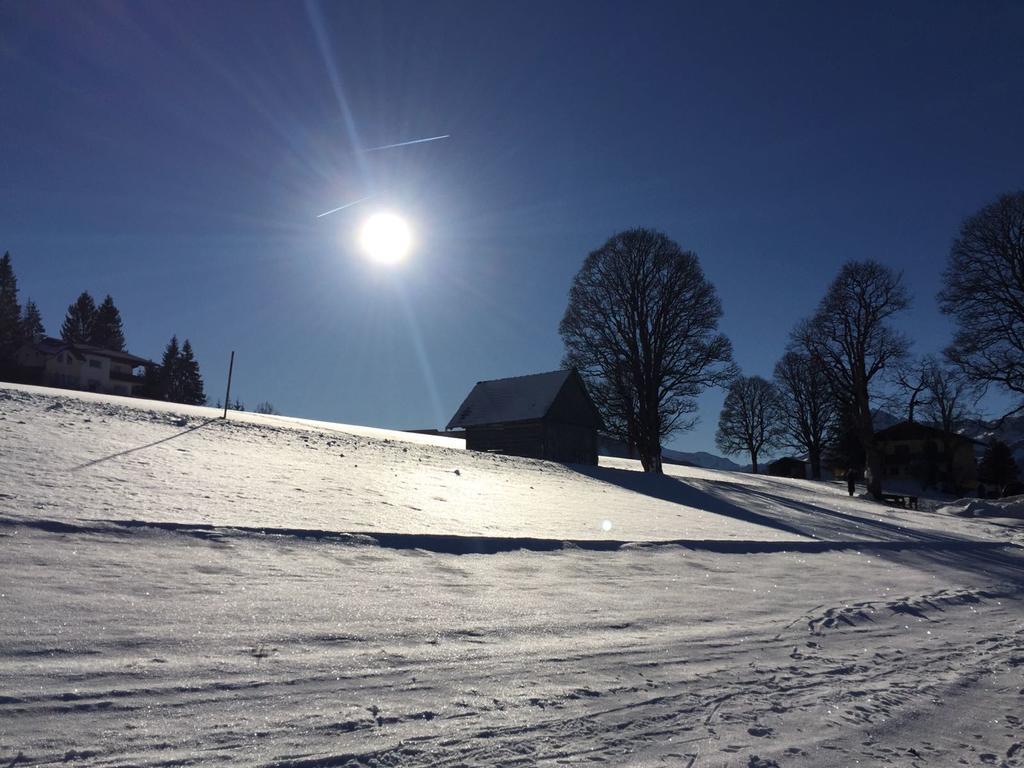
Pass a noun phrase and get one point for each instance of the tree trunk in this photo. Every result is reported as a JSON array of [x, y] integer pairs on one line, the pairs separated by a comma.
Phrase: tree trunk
[[866, 434], [815, 457], [650, 455], [649, 436], [650, 459], [753, 461]]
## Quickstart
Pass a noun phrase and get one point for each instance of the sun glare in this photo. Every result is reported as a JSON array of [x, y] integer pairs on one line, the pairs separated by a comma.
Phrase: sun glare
[[385, 237]]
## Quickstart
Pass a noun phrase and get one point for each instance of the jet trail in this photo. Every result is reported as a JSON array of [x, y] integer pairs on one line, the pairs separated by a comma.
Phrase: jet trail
[[342, 207], [407, 143]]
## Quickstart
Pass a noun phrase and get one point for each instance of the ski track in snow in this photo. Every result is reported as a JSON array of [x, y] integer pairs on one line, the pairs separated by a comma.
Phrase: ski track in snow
[[142, 645]]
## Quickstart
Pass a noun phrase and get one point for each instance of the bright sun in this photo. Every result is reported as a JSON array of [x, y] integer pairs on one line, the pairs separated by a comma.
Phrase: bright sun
[[385, 237]]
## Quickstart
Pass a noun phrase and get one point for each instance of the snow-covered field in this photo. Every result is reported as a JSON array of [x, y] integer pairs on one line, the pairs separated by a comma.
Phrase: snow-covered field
[[179, 590]]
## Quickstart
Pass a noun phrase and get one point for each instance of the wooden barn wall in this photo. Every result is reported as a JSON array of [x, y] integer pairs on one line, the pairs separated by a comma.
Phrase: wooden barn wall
[[572, 406], [523, 439], [570, 443], [555, 441]]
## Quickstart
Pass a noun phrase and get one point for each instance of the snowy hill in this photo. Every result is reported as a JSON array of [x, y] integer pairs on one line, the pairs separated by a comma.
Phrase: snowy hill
[[183, 589]]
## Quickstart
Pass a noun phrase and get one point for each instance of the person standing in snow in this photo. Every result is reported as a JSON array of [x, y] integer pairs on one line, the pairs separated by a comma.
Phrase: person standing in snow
[[851, 480]]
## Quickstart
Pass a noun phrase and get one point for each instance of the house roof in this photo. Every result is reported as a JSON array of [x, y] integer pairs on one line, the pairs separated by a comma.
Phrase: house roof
[[914, 430], [51, 346], [520, 398], [788, 461]]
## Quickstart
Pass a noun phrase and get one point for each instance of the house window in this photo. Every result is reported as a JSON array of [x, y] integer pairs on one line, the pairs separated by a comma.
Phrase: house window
[[95, 364]]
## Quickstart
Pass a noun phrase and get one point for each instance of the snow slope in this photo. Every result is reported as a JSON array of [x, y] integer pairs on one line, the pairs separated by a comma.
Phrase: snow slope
[[181, 464], [147, 621]]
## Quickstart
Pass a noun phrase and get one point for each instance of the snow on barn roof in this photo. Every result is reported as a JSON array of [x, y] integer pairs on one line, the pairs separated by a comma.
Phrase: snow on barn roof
[[520, 398]]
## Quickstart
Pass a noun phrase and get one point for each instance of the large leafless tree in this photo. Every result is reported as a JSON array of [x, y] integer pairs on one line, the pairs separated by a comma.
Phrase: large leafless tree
[[751, 418], [984, 291], [809, 411], [642, 328], [851, 335], [948, 396]]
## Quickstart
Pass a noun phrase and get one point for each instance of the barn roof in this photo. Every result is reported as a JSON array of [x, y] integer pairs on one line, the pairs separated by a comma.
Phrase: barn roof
[[520, 398], [788, 461], [915, 430]]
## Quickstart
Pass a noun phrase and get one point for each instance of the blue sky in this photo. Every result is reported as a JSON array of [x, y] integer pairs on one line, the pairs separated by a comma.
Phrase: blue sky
[[176, 155]]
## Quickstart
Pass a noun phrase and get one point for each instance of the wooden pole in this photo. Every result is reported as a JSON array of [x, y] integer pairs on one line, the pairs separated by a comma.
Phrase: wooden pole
[[227, 397]]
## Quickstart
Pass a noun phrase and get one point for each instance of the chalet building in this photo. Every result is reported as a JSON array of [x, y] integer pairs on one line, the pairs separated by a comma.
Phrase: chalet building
[[788, 467], [913, 451], [56, 363], [543, 416]]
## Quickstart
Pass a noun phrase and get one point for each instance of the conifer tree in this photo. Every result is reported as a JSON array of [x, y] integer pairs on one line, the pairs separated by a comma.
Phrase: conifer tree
[[169, 367], [10, 311], [79, 321], [31, 321], [997, 466], [107, 330], [152, 383], [191, 381]]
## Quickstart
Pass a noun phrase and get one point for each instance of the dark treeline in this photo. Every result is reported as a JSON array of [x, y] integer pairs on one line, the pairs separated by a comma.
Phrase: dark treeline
[[847, 360], [641, 326], [176, 378]]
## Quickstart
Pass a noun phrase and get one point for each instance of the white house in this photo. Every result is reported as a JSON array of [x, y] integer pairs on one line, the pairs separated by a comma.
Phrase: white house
[[57, 363]]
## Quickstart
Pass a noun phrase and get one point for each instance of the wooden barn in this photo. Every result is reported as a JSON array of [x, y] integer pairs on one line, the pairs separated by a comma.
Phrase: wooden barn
[[543, 416], [788, 466]]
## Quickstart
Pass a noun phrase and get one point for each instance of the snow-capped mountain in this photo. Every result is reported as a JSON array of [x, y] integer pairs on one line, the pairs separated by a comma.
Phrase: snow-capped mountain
[[703, 459]]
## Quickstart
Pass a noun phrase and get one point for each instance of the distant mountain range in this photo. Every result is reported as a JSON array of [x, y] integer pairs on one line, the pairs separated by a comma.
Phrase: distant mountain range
[[1011, 432], [609, 446], [703, 459]]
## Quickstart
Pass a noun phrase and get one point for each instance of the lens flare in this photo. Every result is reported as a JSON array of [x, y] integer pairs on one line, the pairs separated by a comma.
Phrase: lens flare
[[386, 238]]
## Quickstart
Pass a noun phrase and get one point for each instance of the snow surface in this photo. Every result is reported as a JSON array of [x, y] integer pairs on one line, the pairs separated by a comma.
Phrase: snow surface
[[147, 621], [1012, 506]]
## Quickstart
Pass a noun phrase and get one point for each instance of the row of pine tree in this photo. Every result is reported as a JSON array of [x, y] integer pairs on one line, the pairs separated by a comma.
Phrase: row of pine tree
[[176, 379]]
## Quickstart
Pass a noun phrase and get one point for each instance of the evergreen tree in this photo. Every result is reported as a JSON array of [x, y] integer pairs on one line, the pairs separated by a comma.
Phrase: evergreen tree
[[10, 311], [79, 321], [152, 383], [31, 322], [191, 381], [107, 330], [997, 466], [169, 366]]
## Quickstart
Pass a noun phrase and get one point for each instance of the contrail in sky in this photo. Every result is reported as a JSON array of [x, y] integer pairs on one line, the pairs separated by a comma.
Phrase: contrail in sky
[[343, 207], [407, 143]]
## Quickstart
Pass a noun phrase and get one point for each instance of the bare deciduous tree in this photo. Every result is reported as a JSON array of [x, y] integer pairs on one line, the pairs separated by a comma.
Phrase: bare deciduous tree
[[984, 291], [641, 328], [751, 419], [809, 410], [850, 334], [911, 388], [948, 396]]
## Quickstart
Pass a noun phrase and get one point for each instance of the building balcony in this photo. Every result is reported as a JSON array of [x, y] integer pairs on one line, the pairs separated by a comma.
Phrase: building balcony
[[128, 377]]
